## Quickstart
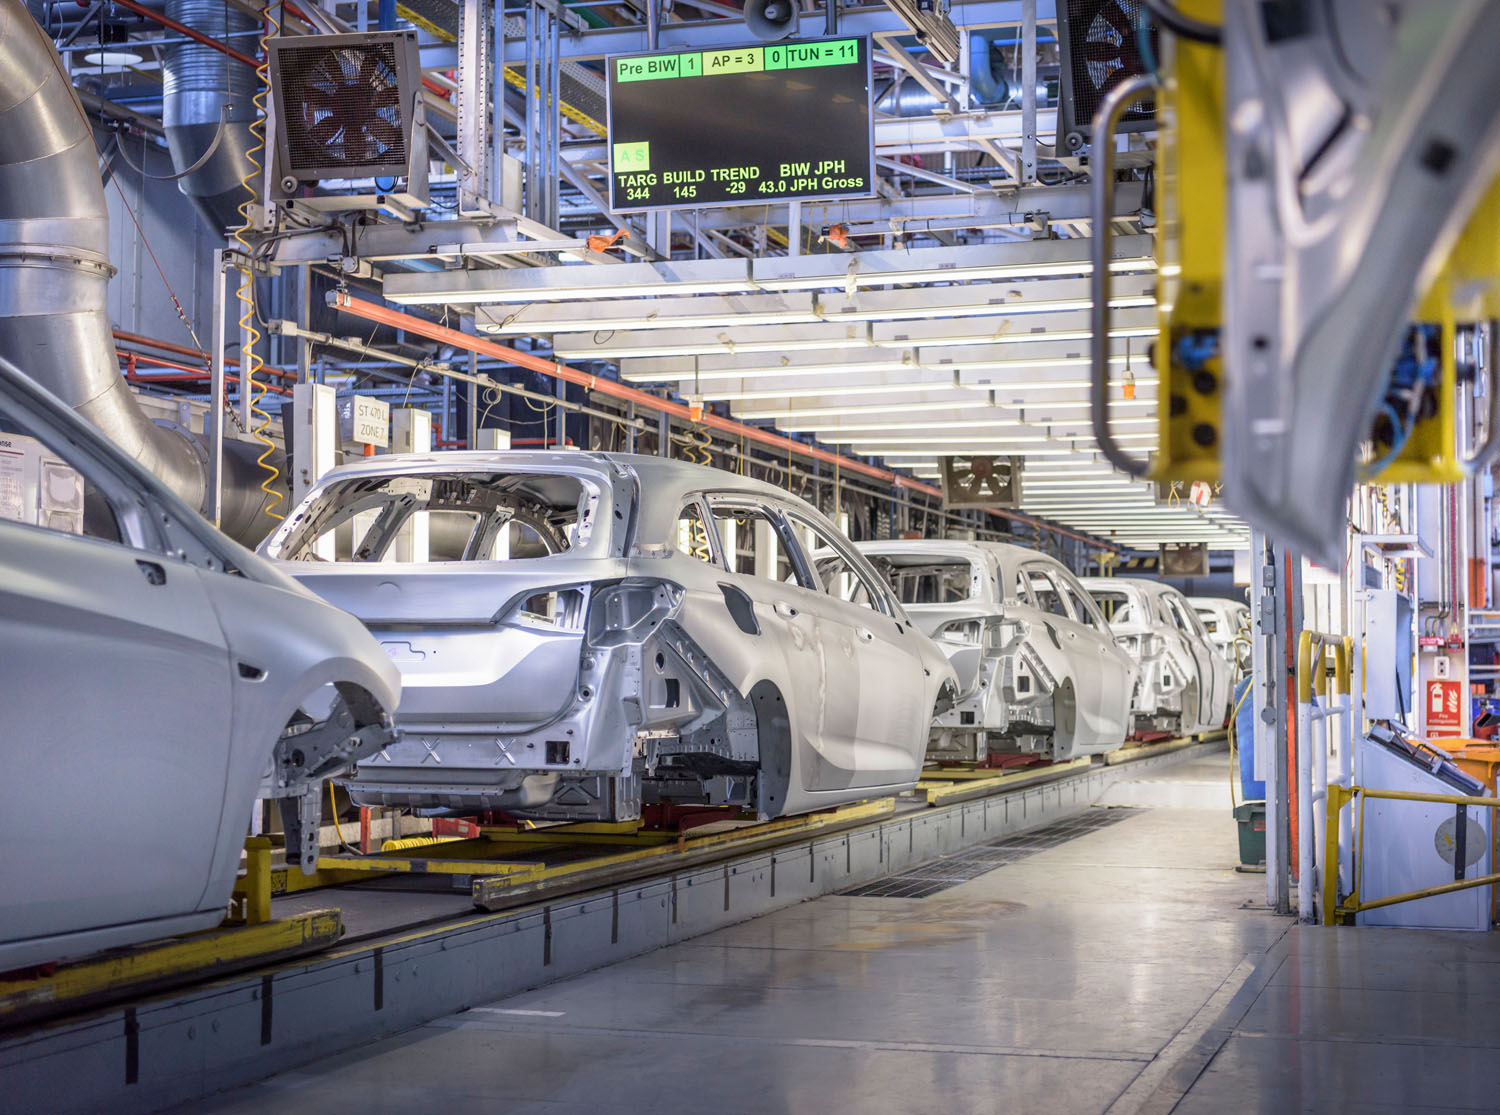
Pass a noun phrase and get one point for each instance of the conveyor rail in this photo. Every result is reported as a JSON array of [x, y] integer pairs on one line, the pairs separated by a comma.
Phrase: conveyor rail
[[177, 1045]]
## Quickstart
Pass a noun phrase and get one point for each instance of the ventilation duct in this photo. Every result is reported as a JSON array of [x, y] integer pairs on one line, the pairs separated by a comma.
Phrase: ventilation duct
[[201, 86], [55, 272]]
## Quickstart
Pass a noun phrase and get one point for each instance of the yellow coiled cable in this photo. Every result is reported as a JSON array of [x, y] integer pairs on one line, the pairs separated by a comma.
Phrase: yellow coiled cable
[[250, 361]]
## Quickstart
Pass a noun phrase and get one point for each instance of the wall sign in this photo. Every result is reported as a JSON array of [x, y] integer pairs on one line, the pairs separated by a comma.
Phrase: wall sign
[[372, 421], [1444, 711]]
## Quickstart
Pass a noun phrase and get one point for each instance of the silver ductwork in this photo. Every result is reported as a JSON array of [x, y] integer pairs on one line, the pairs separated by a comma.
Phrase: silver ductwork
[[55, 272], [201, 87]]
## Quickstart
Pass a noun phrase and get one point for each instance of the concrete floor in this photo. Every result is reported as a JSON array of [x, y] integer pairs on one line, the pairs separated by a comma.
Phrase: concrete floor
[[1128, 969]]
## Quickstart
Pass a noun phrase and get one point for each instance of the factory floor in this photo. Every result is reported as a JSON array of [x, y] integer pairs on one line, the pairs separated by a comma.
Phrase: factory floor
[[1113, 963]]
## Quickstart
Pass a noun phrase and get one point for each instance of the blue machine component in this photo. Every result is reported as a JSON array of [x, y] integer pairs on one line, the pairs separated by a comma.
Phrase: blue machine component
[[1244, 734], [1407, 399], [1194, 350]]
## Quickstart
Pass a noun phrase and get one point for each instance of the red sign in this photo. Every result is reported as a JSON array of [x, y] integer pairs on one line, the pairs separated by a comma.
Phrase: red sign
[[1445, 702]]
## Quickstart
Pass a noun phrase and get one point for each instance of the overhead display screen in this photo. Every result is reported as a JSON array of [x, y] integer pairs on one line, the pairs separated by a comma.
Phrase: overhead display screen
[[772, 122]]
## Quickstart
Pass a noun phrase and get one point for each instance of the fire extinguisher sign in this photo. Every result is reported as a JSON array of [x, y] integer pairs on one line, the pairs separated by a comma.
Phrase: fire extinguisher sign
[[1445, 700]]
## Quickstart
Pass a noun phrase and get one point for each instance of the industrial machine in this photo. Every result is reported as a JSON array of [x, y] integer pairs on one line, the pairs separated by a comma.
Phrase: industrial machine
[[1301, 345], [1408, 845]]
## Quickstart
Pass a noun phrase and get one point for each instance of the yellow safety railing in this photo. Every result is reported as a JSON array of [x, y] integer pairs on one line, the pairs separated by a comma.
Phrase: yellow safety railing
[[1320, 700], [1315, 653], [1335, 911]]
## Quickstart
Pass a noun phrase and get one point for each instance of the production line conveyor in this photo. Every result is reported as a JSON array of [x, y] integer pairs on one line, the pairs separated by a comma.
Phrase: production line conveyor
[[429, 927]]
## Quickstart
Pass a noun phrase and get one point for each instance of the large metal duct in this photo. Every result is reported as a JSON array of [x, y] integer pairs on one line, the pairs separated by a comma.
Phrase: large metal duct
[[201, 86], [55, 271]]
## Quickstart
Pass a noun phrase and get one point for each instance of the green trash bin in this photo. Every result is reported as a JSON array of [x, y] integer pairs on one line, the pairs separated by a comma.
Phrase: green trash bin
[[1252, 821]]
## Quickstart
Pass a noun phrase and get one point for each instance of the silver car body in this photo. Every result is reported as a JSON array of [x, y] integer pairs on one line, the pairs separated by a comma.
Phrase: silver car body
[[1037, 666], [582, 633], [156, 679], [1184, 683], [1228, 625]]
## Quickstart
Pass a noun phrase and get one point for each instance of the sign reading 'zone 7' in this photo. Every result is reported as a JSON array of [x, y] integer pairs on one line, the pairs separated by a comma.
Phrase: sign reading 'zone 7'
[[741, 125]]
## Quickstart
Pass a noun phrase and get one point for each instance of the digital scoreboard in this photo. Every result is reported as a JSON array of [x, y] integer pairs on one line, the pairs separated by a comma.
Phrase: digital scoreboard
[[783, 121]]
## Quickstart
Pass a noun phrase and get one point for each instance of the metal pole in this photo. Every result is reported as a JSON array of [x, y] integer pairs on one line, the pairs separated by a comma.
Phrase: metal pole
[[630, 429], [794, 228], [496, 154], [530, 208], [562, 415], [473, 431], [653, 23], [554, 121], [831, 17], [663, 434], [214, 509], [304, 322], [1028, 92]]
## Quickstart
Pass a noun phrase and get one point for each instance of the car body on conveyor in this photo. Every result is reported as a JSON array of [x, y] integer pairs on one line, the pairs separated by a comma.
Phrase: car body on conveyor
[[581, 634], [1228, 625], [1037, 665], [156, 678], [1184, 685]]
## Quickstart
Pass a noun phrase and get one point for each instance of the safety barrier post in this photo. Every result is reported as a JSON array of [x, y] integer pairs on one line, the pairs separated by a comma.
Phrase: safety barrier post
[[1315, 653]]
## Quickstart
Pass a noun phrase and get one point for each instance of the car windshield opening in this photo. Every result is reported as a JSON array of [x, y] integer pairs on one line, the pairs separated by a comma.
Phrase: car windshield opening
[[444, 517], [926, 580], [1116, 606]]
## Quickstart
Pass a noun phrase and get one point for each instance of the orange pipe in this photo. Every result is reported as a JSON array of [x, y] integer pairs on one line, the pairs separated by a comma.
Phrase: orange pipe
[[166, 346]]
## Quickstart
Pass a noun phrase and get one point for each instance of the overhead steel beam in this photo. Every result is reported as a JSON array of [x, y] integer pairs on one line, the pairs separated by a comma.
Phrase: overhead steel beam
[[1015, 330], [952, 416], [1043, 296], [601, 42], [906, 169], [986, 208], [1039, 363], [371, 311], [854, 270], [891, 42], [384, 315]]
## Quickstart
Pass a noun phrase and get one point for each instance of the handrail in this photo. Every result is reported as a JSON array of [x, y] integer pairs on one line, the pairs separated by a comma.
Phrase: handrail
[[1314, 652], [1340, 796], [1312, 672], [1101, 186]]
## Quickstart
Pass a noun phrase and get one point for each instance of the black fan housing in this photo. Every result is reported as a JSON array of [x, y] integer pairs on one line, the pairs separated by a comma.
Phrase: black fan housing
[[345, 104], [1100, 47]]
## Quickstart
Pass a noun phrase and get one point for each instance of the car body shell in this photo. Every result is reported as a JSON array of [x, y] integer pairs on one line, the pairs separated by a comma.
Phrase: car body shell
[[148, 680], [667, 678], [1038, 668], [1228, 625], [1184, 685]]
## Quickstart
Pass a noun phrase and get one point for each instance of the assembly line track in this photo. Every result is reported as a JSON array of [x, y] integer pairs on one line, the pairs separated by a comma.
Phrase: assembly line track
[[179, 1046]]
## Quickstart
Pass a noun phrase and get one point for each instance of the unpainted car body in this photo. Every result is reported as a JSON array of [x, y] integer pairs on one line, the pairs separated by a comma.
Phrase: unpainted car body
[[1184, 685], [582, 633], [1037, 665], [155, 680], [1228, 625]]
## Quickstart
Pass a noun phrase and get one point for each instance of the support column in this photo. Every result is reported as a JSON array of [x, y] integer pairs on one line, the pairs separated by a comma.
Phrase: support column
[[315, 443]]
